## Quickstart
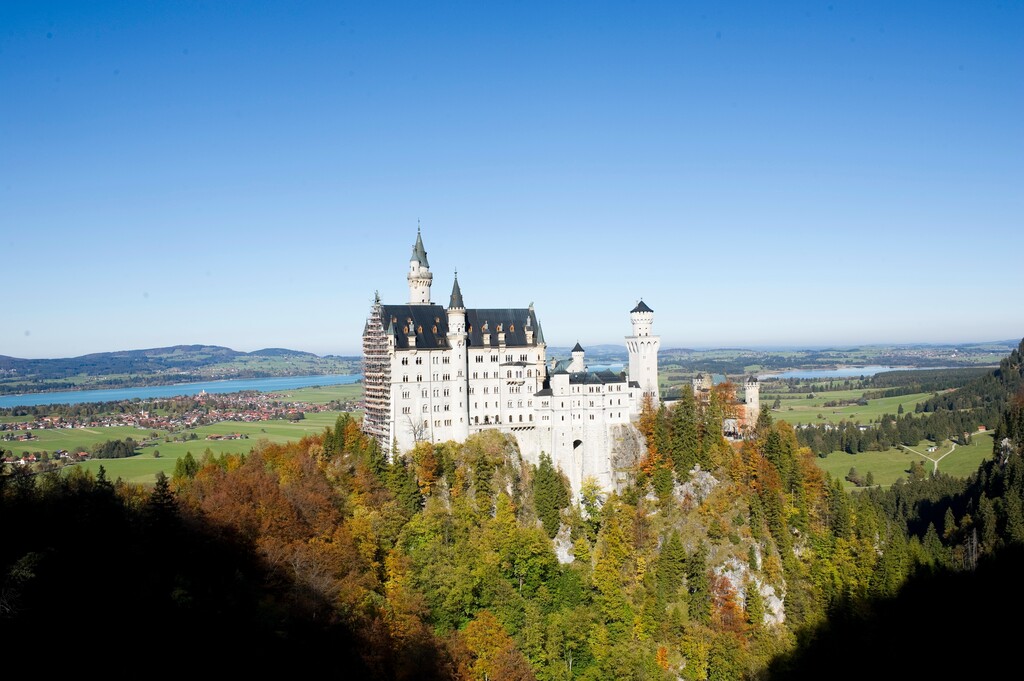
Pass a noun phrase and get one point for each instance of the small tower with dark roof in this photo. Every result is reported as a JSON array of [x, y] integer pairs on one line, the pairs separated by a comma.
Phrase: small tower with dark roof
[[457, 344], [419, 274], [577, 363], [643, 351]]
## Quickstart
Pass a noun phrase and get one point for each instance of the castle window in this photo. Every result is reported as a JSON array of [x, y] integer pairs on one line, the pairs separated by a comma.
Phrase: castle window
[[509, 374], [511, 328], [446, 360], [446, 392], [520, 418], [419, 378], [531, 417], [510, 404], [494, 358], [405, 361], [529, 373], [510, 418], [476, 419], [419, 329], [424, 408], [419, 360], [405, 379], [435, 356], [405, 395], [406, 410], [478, 359]]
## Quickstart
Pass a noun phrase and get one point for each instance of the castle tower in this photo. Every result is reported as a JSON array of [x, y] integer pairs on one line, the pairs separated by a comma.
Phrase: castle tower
[[643, 351], [752, 401], [457, 337], [577, 363], [419, 274]]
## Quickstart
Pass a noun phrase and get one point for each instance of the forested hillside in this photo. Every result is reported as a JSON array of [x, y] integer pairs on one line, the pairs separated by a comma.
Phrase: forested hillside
[[722, 560]]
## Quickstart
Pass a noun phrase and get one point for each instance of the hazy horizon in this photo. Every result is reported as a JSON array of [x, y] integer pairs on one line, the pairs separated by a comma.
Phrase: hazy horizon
[[604, 347]]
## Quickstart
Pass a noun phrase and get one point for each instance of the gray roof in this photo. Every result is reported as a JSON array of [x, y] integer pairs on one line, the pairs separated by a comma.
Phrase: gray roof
[[578, 348], [511, 321], [641, 307], [592, 377], [419, 254], [456, 299], [429, 323]]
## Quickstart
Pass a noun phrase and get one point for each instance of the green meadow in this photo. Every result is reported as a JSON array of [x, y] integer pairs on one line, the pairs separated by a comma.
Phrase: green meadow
[[796, 409], [892, 464], [349, 392]]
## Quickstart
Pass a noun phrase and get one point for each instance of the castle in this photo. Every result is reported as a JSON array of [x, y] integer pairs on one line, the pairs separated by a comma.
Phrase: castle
[[434, 373]]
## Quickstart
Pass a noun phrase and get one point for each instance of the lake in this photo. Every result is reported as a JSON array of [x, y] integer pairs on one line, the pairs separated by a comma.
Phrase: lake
[[226, 386], [844, 372]]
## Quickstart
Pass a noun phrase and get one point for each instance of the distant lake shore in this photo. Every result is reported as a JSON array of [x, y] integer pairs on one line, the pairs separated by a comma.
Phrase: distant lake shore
[[153, 391], [838, 372]]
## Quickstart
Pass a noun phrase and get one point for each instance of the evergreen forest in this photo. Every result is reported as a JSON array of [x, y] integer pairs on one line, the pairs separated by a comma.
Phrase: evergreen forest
[[717, 560]]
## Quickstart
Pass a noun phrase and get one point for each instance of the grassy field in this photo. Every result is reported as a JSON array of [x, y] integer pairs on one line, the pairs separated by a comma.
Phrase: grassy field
[[796, 409], [890, 465], [323, 394]]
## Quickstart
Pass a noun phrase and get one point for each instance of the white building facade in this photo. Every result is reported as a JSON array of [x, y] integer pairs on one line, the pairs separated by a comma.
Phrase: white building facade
[[434, 374]]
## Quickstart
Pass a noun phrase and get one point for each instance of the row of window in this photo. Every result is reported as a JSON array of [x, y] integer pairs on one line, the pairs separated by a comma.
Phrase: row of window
[[497, 420], [529, 403], [445, 359], [419, 377]]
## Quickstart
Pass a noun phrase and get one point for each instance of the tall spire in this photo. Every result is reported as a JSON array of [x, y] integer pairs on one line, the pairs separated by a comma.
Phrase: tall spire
[[456, 300], [419, 254], [419, 273]]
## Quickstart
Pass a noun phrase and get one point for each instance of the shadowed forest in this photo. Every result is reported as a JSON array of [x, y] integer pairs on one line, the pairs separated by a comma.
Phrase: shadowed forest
[[720, 560]]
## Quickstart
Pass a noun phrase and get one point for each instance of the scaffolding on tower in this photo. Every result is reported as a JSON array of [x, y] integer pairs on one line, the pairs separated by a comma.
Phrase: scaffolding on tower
[[376, 379]]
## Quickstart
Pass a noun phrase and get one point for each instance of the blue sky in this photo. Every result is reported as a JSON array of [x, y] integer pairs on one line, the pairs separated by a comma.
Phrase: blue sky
[[248, 174]]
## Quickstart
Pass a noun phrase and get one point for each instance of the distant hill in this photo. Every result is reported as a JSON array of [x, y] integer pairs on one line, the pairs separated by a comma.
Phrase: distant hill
[[155, 366]]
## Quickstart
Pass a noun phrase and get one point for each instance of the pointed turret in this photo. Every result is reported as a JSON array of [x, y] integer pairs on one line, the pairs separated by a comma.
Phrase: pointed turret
[[419, 274], [456, 299], [419, 254]]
